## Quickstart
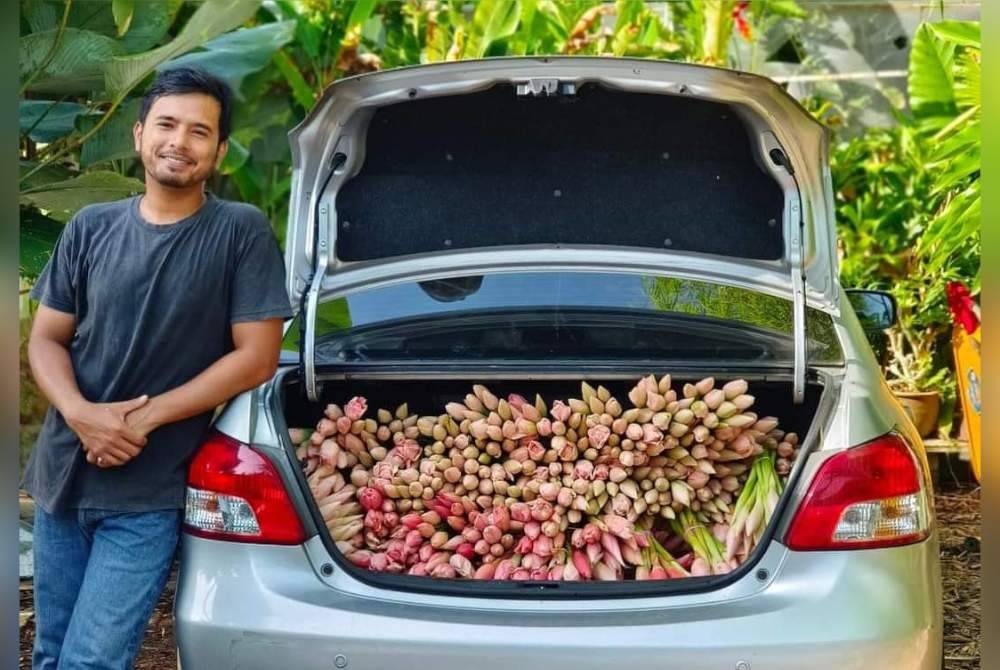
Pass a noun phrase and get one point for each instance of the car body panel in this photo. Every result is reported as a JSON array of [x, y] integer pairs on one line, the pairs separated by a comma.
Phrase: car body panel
[[251, 606]]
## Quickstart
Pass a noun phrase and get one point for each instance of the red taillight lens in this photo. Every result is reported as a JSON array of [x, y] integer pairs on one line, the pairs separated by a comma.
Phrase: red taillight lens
[[865, 497], [235, 494]]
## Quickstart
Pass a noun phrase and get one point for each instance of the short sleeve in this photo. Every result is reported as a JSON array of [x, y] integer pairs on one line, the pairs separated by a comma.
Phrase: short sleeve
[[259, 283], [57, 285]]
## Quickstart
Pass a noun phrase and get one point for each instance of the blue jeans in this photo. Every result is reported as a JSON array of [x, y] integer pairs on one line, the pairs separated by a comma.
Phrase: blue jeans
[[98, 575]]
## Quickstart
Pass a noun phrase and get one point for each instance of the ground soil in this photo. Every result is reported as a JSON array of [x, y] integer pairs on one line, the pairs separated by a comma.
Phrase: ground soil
[[958, 520]]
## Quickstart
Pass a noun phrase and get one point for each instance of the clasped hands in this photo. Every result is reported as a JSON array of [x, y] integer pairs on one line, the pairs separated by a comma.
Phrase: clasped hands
[[112, 433]]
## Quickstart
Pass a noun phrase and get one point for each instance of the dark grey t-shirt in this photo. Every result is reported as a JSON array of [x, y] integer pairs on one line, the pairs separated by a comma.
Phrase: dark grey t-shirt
[[154, 306]]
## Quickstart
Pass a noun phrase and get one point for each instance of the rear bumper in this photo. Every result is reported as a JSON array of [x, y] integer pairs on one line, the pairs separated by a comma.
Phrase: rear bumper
[[255, 607]]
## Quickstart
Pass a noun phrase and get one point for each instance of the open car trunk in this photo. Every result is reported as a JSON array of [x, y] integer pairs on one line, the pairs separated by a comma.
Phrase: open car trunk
[[427, 395]]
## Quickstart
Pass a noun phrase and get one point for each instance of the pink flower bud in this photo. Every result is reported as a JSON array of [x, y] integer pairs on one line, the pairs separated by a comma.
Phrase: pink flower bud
[[370, 498], [605, 573], [556, 573], [619, 526], [651, 433], [485, 571], [631, 555], [437, 559], [411, 520], [361, 558], [569, 572], [540, 575], [550, 528], [658, 573], [379, 563], [356, 408], [425, 552], [479, 429], [501, 518], [611, 549], [466, 549], [582, 564], [591, 534], [549, 491], [482, 547], [524, 546], [413, 539], [520, 511], [515, 400], [344, 425], [521, 574], [598, 435], [601, 472], [543, 546], [565, 497], [594, 552], [568, 452], [532, 561], [492, 534], [443, 571], [541, 510], [544, 427], [560, 411], [535, 450], [504, 570]]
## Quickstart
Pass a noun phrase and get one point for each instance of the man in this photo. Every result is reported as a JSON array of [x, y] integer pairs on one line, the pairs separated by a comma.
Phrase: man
[[154, 310]]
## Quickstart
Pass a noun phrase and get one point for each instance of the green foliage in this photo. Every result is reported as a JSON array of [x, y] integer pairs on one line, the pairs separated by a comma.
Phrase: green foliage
[[908, 204], [62, 199]]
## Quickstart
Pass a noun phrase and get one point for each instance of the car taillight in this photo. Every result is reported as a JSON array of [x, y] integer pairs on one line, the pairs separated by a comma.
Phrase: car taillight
[[866, 497], [235, 494]]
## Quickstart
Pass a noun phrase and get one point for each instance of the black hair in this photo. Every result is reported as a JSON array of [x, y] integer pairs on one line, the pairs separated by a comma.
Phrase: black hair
[[180, 80]]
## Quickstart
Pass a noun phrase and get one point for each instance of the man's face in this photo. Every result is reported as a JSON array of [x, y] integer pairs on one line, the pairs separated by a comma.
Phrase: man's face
[[179, 141]]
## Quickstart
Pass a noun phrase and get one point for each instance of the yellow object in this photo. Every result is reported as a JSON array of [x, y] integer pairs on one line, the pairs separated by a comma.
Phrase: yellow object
[[969, 370]]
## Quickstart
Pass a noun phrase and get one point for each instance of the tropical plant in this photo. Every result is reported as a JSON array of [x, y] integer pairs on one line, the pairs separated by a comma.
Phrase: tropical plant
[[82, 66], [908, 204]]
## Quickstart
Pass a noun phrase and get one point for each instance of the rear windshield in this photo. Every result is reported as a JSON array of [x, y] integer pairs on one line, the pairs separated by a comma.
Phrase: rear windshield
[[564, 316]]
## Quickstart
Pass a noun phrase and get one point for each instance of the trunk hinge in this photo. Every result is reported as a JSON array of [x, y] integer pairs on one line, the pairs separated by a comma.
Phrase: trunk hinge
[[322, 254], [798, 306], [796, 244], [311, 300]]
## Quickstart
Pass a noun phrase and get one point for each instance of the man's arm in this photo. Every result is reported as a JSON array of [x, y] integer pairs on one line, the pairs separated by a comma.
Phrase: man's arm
[[100, 426], [252, 362]]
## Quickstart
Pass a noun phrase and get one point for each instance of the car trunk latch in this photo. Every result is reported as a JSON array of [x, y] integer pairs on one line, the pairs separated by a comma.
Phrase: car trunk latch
[[537, 88]]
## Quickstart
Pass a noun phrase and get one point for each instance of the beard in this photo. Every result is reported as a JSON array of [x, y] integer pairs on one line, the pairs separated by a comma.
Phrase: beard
[[156, 168], [166, 177]]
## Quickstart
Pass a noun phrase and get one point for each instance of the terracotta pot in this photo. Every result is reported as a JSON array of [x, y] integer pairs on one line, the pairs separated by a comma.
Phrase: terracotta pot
[[922, 407]]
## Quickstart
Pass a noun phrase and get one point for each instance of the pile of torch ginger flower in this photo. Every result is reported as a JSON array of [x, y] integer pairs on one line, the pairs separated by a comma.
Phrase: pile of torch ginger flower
[[672, 486]]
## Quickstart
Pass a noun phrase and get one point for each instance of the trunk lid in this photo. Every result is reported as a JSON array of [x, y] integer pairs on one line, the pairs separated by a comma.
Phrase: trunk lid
[[575, 163]]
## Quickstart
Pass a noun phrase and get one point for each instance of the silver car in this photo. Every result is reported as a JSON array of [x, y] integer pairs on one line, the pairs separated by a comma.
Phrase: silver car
[[527, 223]]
